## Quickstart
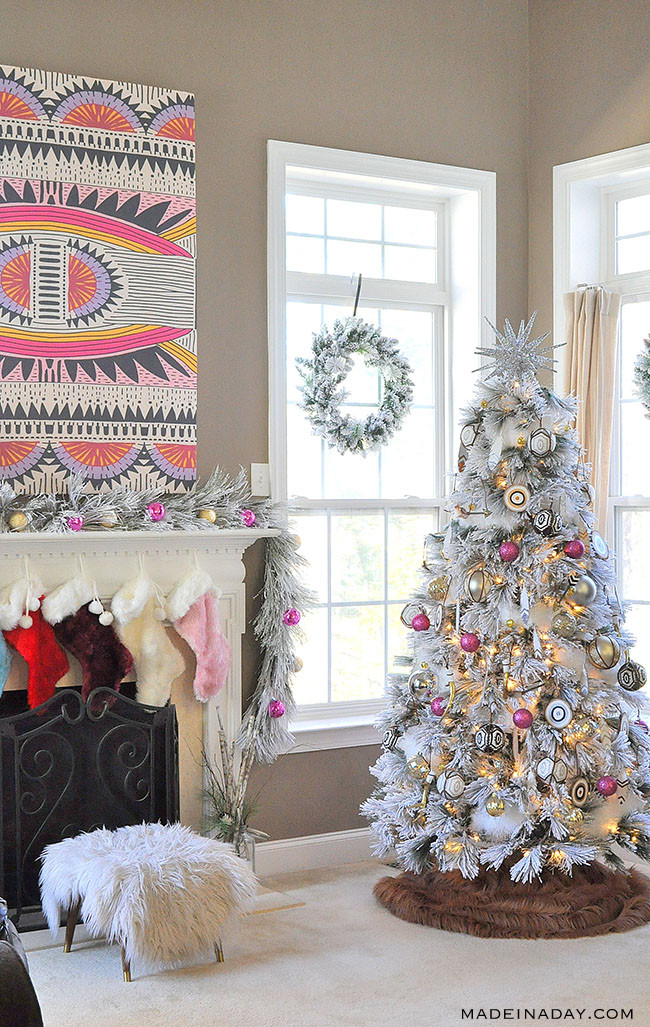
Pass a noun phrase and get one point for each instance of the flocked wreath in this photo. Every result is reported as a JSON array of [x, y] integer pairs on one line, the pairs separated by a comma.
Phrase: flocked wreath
[[324, 394]]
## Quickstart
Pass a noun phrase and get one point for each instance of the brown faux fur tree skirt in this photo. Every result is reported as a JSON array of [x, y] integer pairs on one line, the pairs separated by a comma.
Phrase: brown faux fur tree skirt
[[594, 901]]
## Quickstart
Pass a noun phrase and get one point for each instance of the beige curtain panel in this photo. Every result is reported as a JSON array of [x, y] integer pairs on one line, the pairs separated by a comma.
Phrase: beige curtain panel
[[591, 330]]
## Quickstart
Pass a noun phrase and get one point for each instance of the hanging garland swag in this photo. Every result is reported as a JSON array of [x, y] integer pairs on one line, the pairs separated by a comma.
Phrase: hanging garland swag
[[323, 392], [220, 502]]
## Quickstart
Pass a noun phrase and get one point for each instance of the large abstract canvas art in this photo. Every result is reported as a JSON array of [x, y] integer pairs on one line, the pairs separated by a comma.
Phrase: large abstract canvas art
[[97, 283]]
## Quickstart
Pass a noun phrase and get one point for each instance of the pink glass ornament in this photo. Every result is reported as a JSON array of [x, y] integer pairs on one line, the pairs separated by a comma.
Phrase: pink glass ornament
[[156, 511], [508, 551], [469, 642], [276, 709], [291, 616], [607, 785], [248, 517], [420, 622], [575, 548], [75, 523], [438, 706], [522, 718], [642, 724]]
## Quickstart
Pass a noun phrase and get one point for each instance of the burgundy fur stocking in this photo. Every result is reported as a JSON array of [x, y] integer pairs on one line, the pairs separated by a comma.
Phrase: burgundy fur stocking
[[104, 660]]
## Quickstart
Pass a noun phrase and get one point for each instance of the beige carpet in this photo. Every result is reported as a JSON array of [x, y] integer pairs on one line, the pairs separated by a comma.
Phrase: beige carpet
[[340, 959]]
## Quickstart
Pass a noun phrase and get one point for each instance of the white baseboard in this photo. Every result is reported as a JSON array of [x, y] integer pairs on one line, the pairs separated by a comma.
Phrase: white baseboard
[[312, 851]]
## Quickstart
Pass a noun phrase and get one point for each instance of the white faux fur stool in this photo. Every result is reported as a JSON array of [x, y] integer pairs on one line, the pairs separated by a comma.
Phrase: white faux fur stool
[[159, 890]]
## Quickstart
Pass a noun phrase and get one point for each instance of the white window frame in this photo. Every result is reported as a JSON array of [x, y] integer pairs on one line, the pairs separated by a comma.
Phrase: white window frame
[[585, 194], [466, 203]]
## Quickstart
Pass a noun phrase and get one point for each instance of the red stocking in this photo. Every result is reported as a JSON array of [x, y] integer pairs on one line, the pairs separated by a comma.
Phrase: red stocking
[[104, 660], [46, 661]]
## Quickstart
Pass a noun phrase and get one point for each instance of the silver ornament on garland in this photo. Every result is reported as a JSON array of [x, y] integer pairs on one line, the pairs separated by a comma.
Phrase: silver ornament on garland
[[420, 684]]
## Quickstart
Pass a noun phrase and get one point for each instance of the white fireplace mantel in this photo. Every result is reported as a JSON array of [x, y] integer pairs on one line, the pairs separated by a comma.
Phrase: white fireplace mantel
[[110, 558]]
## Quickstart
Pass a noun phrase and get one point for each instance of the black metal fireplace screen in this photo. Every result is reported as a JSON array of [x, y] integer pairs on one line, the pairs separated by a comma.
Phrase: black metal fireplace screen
[[70, 766]]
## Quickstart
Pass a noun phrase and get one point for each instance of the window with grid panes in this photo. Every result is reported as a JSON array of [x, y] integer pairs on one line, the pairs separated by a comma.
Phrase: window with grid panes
[[362, 520]]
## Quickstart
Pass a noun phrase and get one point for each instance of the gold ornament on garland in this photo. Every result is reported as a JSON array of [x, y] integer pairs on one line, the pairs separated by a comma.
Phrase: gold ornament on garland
[[478, 584], [495, 806], [18, 521], [604, 651], [208, 514]]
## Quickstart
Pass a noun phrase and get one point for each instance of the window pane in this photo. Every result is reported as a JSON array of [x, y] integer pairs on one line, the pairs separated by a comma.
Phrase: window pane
[[407, 461], [405, 224], [351, 475], [305, 214], [398, 639], [406, 533], [303, 456], [634, 553], [357, 652], [310, 683], [353, 258], [362, 383], [302, 320], [357, 557], [413, 330], [633, 215], [312, 530], [633, 254], [409, 264], [354, 220], [637, 619], [635, 326], [305, 253], [635, 439]]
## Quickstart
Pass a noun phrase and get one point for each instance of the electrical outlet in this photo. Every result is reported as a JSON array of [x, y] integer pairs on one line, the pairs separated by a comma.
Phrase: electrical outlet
[[260, 480]]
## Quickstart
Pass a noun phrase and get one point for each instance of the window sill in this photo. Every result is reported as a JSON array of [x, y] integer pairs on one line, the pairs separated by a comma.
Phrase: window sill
[[333, 733]]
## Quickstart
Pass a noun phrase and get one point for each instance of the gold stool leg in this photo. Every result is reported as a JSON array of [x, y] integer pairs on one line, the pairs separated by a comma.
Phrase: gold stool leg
[[218, 950], [73, 918], [126, 966]]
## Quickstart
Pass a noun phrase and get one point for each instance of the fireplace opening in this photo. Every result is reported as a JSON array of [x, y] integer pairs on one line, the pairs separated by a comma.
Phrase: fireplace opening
[[70, 766]]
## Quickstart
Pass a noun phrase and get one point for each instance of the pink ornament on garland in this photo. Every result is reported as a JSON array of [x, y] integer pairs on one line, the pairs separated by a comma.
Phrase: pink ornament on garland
[[438, 706], [156, 511], [248, 517], [469, 642], [522, 718], [607, 785], [75, 523], [291, 616], [508, 551], [575, 548], [276, 709], [420, 622]]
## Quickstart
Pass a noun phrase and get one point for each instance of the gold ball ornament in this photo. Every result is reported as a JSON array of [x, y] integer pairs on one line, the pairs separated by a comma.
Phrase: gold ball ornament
[[564, 624], [18, 521], [604, 651], [208, 514], [478, 584], [438, 587], [297, 665], [109, 520], [418, 767], [495, 806], [574, 816]]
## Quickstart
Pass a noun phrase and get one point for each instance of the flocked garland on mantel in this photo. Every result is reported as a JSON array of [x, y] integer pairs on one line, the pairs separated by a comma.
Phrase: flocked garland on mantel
[[220, 502], [642, 375]]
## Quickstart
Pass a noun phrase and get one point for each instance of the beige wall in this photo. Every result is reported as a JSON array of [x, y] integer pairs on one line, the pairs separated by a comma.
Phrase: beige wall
[[589, 94], [436, 80]]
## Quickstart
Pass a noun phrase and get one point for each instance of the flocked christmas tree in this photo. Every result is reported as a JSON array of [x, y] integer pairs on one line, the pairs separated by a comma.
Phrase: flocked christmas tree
[[513, 738]]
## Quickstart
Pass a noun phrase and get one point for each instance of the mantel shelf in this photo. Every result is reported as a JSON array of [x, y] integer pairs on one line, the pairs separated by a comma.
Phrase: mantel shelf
[[28, 543]]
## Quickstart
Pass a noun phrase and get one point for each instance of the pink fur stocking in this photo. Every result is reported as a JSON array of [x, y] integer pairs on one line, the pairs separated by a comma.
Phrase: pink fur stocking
[[201, 629]]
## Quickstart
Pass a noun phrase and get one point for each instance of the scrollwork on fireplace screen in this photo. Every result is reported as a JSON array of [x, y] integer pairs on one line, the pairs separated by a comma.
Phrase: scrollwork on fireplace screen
[[70, 766]]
